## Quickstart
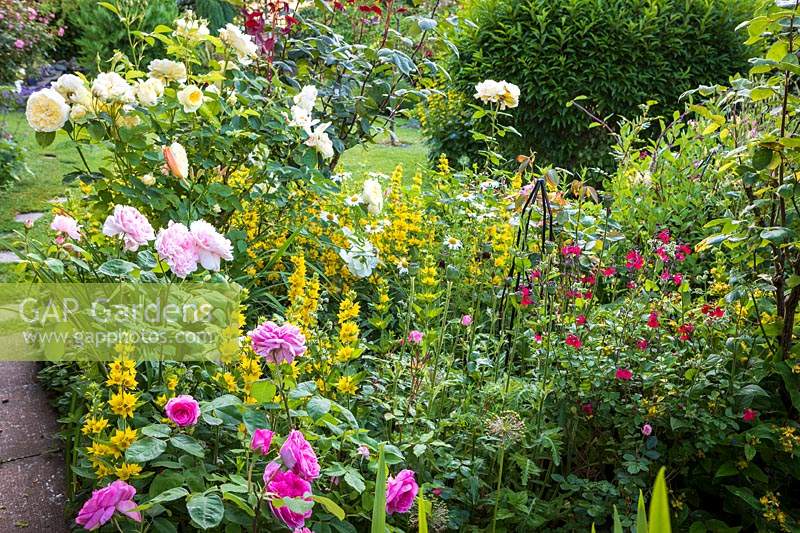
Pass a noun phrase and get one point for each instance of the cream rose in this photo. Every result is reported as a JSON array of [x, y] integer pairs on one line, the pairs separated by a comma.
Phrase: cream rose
[[191, 97], [149, 91], [318, 139], [245, 48], [46, 110], [111, 87], [72, 88], [167, 70], [372, 196], [306, 98]]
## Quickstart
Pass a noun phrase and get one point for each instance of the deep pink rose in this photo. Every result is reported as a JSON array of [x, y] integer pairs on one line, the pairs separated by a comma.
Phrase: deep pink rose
[[118, 496], [270, 471], [278, 344], [183, 410], [298, 456], [400, 492], [261, 441], [623, 374], [289, 485]]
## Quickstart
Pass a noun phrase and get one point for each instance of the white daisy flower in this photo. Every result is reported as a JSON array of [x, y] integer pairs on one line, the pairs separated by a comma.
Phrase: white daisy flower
[[402, 266], [353, 200], [452, 243], [325, 216]]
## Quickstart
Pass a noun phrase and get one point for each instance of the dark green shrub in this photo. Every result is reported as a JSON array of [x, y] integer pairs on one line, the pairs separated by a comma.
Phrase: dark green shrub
[[216, 12], [100, 32], [619, 53]]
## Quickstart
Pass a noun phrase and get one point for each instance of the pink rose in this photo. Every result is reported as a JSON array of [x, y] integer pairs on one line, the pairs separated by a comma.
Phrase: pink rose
[[261, 441], [647, 430], [466, 320], [211, 246], [128, 223], [183, 410], [298, 456], [269, 472], [178, 248], [66, 225], [400, 492], [118, 496], [278, 344], [289, 485], [19, 43]]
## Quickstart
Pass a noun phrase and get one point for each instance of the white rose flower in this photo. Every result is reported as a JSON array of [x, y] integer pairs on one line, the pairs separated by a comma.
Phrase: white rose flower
[[72, 88], [149, 91], [488, 91], [317, 138], [167, 70], [191, 97], [148, 179], [111, 87], [509, 96], [245, 48], [46, 110], [301, 118], [78, 113], [372, 196], [306, 98], [177, 160]]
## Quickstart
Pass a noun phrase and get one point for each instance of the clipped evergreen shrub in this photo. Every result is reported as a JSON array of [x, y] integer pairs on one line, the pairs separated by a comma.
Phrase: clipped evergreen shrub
[[618, 53]]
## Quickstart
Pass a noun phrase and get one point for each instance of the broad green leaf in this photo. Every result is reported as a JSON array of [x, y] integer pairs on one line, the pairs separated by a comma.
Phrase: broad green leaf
[[659, 506], [145, 450], [188, 444], [45, 139], [318, 407], [167, 496], [206, 510], [117, 267], [263, 391], [330, 506]]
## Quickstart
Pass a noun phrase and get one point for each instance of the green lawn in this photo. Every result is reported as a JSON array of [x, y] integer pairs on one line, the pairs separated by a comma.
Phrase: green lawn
[[383, 157]]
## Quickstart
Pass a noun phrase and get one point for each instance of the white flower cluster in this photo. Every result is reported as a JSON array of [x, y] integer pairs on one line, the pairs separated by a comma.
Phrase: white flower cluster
[[72, 98], [302, 110], [498, 92]]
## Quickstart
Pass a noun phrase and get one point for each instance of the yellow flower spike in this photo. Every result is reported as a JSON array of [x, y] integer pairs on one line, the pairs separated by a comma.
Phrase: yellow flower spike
[[345, 385], [127, 471], [94, 425], [122, 404], [123, 438]]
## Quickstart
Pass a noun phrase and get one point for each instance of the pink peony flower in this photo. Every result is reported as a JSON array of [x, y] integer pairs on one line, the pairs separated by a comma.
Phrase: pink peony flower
[[128, 223], [261, 441], [415, 336], [211, 246], [118, 496], [749, 415], [623, 374], [466, 320], [289, 485], [298, 456], [401, 492], [278, 344], [647, 430], [183, 410], [66, 225], [178, 248]]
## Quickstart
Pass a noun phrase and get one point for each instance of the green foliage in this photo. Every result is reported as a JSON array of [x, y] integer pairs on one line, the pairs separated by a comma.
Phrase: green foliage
[[618, 53], [12, 161], [379, 503], [100, 33], [216, 12]]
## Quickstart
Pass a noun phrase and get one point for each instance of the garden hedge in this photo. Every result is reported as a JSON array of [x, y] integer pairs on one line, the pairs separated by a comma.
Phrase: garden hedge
[[618, 53]]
